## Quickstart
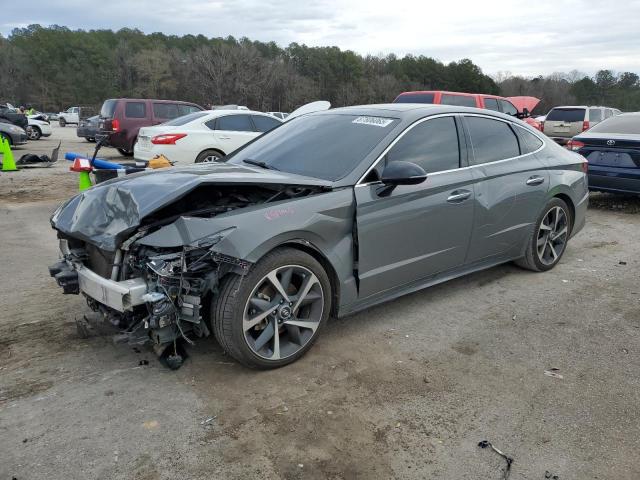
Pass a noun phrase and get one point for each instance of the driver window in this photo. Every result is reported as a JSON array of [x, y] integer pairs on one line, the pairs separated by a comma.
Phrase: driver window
[[432, 144]]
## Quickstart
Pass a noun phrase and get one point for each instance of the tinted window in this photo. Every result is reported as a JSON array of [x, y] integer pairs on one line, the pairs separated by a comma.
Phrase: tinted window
[[264, 124], [186, 109], [432, 144], [135, 110], [491, 140], [165, 110], [566, 115], [415, 98], [176, 122], [595, 115], [491, 104], [508, 108], [528, 141], [108, 107], [326, 146], [235, 123], [459, 100], [619, 124]]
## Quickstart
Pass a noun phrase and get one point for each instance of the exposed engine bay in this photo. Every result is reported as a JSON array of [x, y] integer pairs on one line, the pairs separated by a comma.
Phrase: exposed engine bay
[[162, 295]]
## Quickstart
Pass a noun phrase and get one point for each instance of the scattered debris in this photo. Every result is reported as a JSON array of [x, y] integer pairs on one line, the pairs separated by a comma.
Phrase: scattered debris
[[151, 425], [514, 317], [550, 475], [300, 465], [207, 421], [285, 409], [565, 281], [143, 362], [25, 440], [553, 372], [425, 379], [622, 262], [508, 459], [624, 350]]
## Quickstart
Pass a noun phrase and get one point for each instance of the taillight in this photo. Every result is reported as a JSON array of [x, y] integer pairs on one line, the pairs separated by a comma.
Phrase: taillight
[[585, 125], [585, 166], [574, 145], [167, 138], [115, 125]]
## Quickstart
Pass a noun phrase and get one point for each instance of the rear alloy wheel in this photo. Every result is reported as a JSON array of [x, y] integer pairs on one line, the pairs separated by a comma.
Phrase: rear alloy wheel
[[272, 316], [209, 156], [33, 133], [549, 239]]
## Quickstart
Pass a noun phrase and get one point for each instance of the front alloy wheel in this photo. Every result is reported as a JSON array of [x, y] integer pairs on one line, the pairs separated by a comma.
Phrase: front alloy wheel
[[271, 316]]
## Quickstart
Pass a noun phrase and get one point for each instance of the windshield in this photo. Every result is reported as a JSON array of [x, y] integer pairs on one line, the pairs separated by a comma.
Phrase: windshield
[[627, 124], [326, 146], [566, 115], [177, 122]]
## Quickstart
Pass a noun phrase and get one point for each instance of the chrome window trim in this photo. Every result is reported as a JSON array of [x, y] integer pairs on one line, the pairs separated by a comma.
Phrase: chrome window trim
[[418, 122]]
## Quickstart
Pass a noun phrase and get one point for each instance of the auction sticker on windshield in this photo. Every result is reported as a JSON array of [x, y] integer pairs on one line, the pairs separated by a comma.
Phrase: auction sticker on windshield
[[376, 121]]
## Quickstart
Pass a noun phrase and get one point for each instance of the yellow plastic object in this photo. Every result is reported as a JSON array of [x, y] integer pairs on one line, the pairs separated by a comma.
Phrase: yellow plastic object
[[8, 163], [84, 181], [159, 161]]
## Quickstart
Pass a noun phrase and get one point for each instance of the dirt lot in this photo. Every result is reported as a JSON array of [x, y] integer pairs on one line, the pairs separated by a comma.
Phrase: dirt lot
[[405, 390]]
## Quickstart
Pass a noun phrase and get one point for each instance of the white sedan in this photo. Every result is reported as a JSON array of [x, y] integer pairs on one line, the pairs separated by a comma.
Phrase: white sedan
[[202, 136], [37, 128]]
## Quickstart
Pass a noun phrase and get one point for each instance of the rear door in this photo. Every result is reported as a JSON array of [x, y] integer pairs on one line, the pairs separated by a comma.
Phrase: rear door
[[565, 122], [416, 231], [510, 189], [233, 131], [491, 104]]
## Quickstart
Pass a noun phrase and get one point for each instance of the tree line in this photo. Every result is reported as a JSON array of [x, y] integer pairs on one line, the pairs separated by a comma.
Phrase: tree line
[[56, 67]]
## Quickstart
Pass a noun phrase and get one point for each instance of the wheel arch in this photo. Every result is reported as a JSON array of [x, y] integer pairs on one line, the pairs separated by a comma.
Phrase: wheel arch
[[209, 149], [568, 200]]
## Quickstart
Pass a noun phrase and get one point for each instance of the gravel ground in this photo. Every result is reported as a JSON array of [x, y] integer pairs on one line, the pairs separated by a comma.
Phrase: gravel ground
[[404, 390]]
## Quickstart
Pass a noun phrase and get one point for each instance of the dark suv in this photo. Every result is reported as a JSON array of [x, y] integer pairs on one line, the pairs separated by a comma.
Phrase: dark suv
[[122, 118]]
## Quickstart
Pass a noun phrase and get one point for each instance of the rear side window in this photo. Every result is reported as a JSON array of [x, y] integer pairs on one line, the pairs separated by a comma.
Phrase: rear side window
[[415, 98], [595, 115], [264, 124], [432, 144], [108, 107], [165, 110], [458, 100], [608, 113], [235, 123], [491, 104], [528, 141], [135, 110], [508, 108], [566, 115], [491, 140]]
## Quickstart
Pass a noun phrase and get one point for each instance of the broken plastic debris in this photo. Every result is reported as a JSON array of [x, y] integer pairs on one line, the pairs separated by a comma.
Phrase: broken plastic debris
[[208, 420], [550, 475], [621, 262], [565, 281], [553, 372], [508, 459]]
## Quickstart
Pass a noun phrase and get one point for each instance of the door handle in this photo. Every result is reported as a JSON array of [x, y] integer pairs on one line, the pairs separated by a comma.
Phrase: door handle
[[225, 138], [458, 196], [535, 180]]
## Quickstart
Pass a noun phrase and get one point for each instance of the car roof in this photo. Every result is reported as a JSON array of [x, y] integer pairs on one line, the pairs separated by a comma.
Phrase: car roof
[[220, 113], [449, 92]]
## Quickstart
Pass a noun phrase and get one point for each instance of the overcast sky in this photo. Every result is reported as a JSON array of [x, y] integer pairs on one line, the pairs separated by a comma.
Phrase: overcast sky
[[525, 37]]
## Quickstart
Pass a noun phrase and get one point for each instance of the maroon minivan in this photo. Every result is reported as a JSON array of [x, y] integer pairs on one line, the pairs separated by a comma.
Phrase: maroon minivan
[[122, 118]]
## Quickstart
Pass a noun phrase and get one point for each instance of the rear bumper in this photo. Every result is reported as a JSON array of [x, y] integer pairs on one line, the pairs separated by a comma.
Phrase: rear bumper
[[614, 179]]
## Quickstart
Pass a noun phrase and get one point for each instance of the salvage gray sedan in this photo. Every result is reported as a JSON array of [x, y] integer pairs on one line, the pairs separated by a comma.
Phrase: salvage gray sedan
[[328, 214]]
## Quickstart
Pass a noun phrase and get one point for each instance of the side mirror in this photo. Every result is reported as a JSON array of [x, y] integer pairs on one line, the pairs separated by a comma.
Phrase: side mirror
[[403, 173]]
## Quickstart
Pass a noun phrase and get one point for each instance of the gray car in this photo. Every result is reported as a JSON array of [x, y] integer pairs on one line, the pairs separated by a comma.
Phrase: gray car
[[328, 214], [12, 133]]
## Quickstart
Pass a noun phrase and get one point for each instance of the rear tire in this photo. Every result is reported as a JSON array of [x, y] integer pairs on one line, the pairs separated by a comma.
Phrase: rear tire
[[62, 122], [287, 327], [125, 153], [209, 156], [548, 239]]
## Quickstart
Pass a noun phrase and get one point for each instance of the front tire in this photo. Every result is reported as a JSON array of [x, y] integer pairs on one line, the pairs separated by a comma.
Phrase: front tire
[[272, 316], [33, 133], [548, 240], [62, 122]]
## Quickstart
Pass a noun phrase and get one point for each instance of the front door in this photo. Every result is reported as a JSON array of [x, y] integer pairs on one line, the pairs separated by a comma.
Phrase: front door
[[416, 231], [233, 131]]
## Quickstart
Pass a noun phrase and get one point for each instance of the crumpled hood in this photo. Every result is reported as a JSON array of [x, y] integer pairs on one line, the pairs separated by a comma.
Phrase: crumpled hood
[[524, 102], [107, 213]]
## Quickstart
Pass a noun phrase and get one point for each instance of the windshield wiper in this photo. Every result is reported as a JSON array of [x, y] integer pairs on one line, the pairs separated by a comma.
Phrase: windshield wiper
[[260, 164]]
